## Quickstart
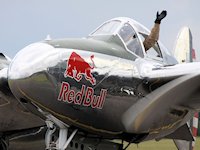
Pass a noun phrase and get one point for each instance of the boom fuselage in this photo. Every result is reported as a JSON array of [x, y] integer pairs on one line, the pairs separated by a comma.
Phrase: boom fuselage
[[84, 83]]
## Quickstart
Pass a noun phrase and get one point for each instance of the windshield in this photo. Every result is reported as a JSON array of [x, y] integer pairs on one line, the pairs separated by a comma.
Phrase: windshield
[[107, 28], [131, 40]]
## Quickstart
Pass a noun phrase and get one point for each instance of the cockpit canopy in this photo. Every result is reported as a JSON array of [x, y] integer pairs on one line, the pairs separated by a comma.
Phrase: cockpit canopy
[[132, 35]]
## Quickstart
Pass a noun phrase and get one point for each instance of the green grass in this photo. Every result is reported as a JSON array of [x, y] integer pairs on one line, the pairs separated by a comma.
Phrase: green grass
[[160, 145]]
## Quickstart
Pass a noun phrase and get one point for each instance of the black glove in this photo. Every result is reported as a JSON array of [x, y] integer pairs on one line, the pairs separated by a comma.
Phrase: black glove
[[160, 16]]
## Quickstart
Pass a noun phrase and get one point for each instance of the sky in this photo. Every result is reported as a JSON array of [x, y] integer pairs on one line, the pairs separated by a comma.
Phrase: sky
[[23, 22]]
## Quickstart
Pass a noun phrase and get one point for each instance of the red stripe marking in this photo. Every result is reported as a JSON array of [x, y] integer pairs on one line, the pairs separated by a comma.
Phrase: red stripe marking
[[193, 54], [194, 131]]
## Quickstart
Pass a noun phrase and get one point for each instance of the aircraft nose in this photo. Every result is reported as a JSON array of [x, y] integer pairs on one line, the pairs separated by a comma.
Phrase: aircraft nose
[[34, 58], [28, 73]]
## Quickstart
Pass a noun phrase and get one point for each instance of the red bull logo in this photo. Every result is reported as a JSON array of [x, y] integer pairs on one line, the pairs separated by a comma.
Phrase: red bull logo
[[77, 67]]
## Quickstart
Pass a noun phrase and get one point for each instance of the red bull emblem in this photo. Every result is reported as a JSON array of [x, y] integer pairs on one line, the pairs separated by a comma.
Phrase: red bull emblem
[[77, 67]]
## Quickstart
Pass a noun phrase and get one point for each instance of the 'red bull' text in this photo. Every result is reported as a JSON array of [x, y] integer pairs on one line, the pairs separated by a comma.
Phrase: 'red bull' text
[[85, 96]]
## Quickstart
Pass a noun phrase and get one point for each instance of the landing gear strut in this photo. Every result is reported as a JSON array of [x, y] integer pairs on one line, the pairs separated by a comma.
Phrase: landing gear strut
[[63, 139], [3, 144]]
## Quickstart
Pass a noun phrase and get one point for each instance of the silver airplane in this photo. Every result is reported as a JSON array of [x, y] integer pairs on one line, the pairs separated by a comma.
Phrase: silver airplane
[[102, 87]]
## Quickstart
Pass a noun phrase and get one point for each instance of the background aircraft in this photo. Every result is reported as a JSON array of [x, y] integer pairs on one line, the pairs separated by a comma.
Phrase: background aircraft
[[102, 87], [185, 53]]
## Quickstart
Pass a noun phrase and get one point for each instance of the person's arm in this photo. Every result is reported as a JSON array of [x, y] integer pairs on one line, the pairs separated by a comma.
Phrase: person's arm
[[152, 38], [154, 35]]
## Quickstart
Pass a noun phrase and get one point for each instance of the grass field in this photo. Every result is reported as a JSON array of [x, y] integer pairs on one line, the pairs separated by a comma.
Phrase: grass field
[[161, 145]]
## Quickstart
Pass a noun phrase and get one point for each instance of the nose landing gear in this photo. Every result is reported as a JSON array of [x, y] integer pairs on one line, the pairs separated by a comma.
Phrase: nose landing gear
[[63, 140]]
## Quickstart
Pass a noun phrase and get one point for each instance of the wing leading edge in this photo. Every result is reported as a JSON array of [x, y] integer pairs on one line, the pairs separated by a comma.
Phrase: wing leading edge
[[164, 108]]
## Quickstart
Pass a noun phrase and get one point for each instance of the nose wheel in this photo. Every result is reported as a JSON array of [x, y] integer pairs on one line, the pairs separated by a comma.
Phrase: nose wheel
[[64, 138]]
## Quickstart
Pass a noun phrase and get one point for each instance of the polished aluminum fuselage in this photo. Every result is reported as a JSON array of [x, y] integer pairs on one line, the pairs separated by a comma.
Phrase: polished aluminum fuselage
[[41, 83]]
